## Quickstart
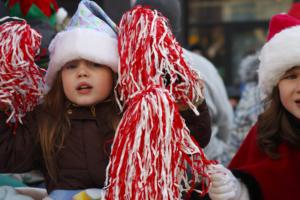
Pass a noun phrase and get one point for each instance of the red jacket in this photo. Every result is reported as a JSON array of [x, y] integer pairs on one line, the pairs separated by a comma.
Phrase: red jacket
[[277, 179]]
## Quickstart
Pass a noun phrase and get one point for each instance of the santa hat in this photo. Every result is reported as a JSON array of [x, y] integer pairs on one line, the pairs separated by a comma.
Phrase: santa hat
[[295, 10], [280, 53], [152, 147], [90, 35]]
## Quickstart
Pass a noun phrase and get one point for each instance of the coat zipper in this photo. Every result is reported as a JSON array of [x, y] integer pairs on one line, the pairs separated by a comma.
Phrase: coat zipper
[[93, 111]]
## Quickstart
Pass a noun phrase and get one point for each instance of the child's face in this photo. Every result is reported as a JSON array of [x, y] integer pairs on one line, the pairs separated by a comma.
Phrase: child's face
[[86, 83], [289, 91]]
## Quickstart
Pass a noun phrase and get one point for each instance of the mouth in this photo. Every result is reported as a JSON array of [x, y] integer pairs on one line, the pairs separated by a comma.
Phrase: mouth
[[84, 88]]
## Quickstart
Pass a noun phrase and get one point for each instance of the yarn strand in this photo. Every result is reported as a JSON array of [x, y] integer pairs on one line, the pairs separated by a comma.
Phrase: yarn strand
[[21, 80], [153, 151]]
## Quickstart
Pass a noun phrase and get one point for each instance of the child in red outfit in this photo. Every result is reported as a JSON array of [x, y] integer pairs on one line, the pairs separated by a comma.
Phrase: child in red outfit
[[267, 164]]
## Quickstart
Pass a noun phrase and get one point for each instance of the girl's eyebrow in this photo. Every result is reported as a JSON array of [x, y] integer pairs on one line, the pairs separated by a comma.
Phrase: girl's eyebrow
[[71, 62], [292, 71], [288, 72]]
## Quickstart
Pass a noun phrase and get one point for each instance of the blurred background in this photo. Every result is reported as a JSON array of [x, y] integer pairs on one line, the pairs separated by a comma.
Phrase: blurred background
[[224, 31]]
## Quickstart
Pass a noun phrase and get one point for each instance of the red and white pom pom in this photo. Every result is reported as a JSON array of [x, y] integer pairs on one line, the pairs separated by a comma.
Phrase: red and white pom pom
[[21, 79], [152, 150]]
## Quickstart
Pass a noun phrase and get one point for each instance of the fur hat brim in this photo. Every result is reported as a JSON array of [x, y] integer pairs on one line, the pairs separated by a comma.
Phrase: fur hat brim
[[70, 45], [277, 56]]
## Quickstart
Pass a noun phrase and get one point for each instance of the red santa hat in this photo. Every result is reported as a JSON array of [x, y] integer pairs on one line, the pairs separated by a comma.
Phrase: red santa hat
[[281, 51], [295, 10], [152, 147]]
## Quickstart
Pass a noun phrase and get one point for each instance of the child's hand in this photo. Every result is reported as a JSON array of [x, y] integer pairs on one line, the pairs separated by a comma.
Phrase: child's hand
[[182, 107], [196, 102], [224, 185]]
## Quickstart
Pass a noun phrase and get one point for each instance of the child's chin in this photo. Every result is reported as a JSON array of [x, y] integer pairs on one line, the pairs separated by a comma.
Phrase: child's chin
[[85, 103]]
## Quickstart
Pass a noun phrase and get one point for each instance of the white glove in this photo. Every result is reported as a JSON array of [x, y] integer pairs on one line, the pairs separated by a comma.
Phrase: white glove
[[224, 185]]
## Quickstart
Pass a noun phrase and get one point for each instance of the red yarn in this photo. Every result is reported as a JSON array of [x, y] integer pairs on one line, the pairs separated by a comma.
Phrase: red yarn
[[152, 149], [21, 79]]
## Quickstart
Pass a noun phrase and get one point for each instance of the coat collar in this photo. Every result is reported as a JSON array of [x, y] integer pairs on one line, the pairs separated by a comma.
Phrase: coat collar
[[88, 112]]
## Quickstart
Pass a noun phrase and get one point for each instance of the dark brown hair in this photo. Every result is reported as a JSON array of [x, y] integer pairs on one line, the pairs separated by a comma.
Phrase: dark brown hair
[[277, 125], [55, 124]]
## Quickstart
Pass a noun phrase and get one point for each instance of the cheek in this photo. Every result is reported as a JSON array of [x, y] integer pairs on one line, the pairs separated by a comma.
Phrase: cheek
[[105, 85], [284, 95], [109, 85], [282, 98], [66, 84]]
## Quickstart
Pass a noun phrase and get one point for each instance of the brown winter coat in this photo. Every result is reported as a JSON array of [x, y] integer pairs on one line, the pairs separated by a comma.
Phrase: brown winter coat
[[83, 159]]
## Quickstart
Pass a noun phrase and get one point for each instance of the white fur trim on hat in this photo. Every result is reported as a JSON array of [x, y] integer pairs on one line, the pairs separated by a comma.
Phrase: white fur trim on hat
[[277, 56], [81, 43]]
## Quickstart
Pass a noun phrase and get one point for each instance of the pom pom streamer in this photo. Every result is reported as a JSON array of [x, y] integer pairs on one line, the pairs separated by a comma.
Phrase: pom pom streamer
[[153, 152], [21, 80]]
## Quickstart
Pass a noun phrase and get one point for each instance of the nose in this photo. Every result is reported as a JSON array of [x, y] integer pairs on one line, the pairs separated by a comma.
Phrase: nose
[[82, 69]]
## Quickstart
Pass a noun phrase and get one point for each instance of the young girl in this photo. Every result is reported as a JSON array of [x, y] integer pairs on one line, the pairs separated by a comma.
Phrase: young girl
[[267, 164], [68, 136]]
